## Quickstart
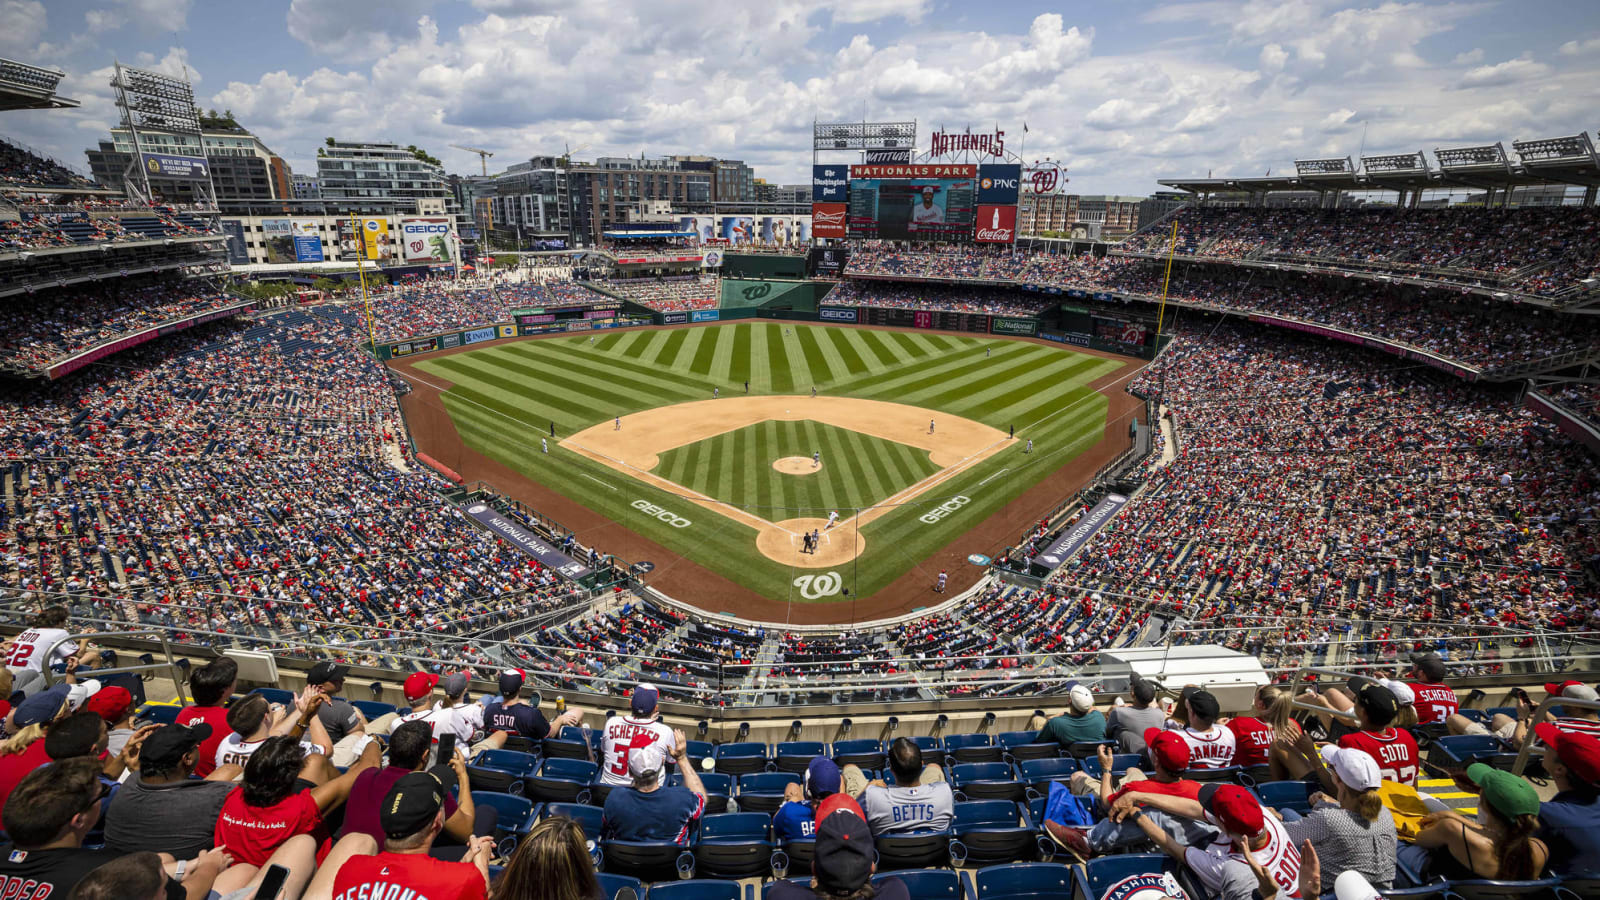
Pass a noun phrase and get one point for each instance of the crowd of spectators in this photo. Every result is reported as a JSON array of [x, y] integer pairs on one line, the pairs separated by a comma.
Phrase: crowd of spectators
[[63, 226], [1533, 250], [668, 295], [433, 306], [975, 263], [947, 297], [20, 167], [44, 328]]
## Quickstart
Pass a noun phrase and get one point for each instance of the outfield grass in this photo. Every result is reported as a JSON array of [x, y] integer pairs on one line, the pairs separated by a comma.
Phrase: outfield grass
[[505, 397], [858, 469]]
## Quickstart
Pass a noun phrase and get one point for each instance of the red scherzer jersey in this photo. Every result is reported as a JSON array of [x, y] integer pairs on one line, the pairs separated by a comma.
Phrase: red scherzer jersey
[[1435, 703], [1252, 739]]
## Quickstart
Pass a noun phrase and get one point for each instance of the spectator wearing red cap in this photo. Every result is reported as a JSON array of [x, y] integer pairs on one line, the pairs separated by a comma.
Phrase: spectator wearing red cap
[[1571, 819], [115, 705], [212, 685], [843, 861], [1169, 757], [1222, 866]]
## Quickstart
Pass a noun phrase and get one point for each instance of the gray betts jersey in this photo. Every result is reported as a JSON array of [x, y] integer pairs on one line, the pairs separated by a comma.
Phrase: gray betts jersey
[[926, 807]]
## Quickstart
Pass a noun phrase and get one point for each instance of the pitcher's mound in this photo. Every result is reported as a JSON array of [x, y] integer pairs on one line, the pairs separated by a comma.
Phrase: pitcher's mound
[[796, 465]]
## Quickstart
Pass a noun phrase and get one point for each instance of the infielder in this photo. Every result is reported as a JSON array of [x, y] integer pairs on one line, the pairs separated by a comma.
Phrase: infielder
[[832, 518], [816, 459], [618, 424], [715, 393], [1030, 446], [939, 587], [930, 426], [813, 392]]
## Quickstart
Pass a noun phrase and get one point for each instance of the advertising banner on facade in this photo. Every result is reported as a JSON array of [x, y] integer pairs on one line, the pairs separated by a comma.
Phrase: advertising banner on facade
[[526, 541], [1062, 548], [167, 165], [451, 340], [837, 313], [998, 184], [478, 334], [705, 315], [238, 253], [375, 239], [307, 240], [996, 225], [828, 220], [278, 237], [674, 318], [888, 157], [427, 239], [507, 330], [830, 261], [737, 229], [1004, 325], [916, 170], [830, 184]]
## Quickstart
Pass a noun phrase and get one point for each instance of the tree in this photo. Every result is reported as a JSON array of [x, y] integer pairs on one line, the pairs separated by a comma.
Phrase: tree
[[327, 285], [328, 141], [423, 155]]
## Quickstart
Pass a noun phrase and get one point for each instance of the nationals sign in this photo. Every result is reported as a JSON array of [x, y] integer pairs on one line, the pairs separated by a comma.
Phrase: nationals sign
[[917, 170], [1044, 178], [992, 144]]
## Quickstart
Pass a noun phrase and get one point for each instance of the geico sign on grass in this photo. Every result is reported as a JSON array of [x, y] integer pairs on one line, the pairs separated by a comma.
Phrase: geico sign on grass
[[656, 512], [933, 516]]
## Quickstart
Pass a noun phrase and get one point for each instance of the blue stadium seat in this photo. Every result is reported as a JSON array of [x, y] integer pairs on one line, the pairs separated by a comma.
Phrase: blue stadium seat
[[1229, 774], [718, 787], [698, 889], [932, 748], [500, 781], [970, 748], [1295, 795], [797, 881], [276, 695], [699, 750], [372, 709], [795, 756], [507, 761], [516, 817], [1087, 750], [985, 781], [1491, 889], [989, 832], [1099, 875], [740, 759], [1038, 773], [794, 857], [734, 845], [647, 860], [762, 792], [912, 850], [561, 781], [1025, 881], [1582, 888], [587, 816], [620, 887], [926, 884], [1457, 751], [160, 715], [1120, 764], [863, 752], [569, 744], [1020, 745]]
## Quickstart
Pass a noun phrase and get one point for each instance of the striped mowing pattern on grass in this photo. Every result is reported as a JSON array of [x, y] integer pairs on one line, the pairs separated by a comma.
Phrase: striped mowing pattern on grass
[[507, 397], [858, 470]]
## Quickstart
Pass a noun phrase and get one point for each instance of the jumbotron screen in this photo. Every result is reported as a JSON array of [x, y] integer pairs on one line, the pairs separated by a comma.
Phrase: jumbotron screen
[[916, 208]]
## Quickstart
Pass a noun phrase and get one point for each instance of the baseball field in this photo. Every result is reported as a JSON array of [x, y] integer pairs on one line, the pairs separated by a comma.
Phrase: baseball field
[[707, 447]]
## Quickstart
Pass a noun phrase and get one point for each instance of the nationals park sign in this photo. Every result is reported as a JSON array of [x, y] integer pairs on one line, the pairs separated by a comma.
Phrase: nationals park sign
[[526, 541]]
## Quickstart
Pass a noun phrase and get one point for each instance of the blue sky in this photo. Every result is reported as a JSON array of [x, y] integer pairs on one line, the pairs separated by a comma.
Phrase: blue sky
[[1122, 92]]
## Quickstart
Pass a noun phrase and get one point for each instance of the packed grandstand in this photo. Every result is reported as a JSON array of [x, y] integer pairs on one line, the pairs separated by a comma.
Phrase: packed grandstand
[[1369, 481]]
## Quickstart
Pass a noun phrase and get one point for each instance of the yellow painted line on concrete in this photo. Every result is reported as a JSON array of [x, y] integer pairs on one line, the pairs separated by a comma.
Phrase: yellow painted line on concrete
[[1454, 795]]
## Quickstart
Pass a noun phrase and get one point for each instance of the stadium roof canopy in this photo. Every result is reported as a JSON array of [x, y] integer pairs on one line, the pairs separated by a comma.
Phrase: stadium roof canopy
[[23, 86], [1569, 160]]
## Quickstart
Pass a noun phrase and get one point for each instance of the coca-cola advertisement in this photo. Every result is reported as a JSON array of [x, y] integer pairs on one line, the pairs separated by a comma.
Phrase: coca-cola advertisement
[[996, 225]]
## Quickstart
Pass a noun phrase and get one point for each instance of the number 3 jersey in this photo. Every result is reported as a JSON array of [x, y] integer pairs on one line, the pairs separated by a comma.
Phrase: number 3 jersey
[[622, 735]]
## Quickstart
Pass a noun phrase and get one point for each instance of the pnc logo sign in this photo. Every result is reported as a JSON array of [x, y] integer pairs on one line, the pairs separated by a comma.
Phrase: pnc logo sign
[[947, 508]]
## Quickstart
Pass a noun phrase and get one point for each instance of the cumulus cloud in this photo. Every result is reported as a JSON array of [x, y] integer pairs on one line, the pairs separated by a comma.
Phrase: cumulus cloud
[[25, 20], [1511, 71], [1578, 48]]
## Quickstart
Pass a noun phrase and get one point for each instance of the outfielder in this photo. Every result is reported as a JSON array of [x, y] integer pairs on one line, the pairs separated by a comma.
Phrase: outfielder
[[544, 445], [1030, 446]]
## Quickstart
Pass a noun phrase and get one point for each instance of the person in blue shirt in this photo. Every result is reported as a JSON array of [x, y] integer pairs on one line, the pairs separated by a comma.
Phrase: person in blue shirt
[[796, 818], [1571, 819], [650, 810]]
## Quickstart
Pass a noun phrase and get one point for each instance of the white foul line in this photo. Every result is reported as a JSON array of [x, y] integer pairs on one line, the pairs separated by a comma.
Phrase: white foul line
[[596, 480]]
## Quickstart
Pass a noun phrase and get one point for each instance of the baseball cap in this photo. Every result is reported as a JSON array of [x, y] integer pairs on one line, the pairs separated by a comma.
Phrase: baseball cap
[[326, 671], [645, 755], [453, 684], [166, 745], [1509, 794], [842, 860], [1167, 748], [1380, 703], [41, 707], [79, 694], [927, 189], [1402, 692], [1233, 809], [110, 703], [1578, 752], [1431, 665], [1352, 885], [1203, 705], [645, 698], [1572, 690], [511, 681], [1356, 768], [822, 777], [420, 684], [1081, 698], [414, 800]]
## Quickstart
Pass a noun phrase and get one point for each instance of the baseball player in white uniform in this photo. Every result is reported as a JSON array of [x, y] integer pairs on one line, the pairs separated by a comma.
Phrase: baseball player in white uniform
[[832, 518], [624, 734], [925, 213]]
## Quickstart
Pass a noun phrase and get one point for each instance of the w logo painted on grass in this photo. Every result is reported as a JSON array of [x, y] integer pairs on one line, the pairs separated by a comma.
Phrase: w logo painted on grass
[[815, 587]]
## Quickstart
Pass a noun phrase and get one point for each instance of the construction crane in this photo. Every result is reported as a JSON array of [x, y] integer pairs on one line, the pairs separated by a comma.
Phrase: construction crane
[[483, 155]]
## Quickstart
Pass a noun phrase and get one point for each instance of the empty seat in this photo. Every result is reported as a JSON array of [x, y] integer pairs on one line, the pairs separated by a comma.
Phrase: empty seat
[[587, 816], [795, 756], [561, 781], [863, 752], [985, 781], [620, 887], [516, 817], [498, 780], [647, 860], [970, 748], [1038, 773], [1120, 764], [763, 791], [697, 889], [1020, 745], [734, 845], [719, 788], [1025, 881], [1295, 795], [740, 759], [912, 850], [927, 884], [1491, 889], [988, 832]]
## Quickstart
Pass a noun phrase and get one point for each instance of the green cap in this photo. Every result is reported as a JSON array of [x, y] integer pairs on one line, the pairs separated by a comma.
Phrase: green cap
[[1509, 794]]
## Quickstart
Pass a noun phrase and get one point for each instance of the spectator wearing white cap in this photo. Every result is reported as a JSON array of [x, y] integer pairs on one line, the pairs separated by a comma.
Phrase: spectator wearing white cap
[[1573, 719], [649, 809], [1081, 722], [1352, 830], [642, 727]]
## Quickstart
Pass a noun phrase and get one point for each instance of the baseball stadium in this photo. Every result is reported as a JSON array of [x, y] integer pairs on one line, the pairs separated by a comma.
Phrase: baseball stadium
[[632, 527]]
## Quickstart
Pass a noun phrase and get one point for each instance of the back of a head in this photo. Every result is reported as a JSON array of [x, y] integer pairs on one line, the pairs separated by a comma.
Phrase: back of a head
[[1143, 692], [905, 761], [409, 744], [77, 735], [270, 773], [210, 682], [246, 714], [51, 617], [137, 876], [551, 863], [46, 800]]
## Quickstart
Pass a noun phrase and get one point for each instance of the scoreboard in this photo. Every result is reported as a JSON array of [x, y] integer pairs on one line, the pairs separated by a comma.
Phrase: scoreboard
[[915, 202], [925, 318]]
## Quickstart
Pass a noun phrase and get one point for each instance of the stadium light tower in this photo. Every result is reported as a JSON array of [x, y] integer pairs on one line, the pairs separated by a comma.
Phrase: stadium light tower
[[152, 101]]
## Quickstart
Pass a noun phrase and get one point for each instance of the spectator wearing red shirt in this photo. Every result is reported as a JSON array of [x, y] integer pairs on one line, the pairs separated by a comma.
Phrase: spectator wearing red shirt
[[212, 685], [273, 805], [1263, 739], [409, 748], [25, 751], [1436, 701], [1169, 758], [1394, 749], [412, 818]]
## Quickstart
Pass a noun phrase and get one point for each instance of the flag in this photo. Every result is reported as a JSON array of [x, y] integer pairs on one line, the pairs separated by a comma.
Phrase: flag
[[1024, 126]]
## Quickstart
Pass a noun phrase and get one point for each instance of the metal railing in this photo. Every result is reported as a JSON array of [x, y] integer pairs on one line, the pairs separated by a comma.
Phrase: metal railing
[[174, 669], [1539, 712]]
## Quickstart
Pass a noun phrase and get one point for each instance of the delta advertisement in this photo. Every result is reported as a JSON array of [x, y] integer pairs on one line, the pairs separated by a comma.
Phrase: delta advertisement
[[238, 252], [307, 240], [426, 239], [186, 168], [277, 235]]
